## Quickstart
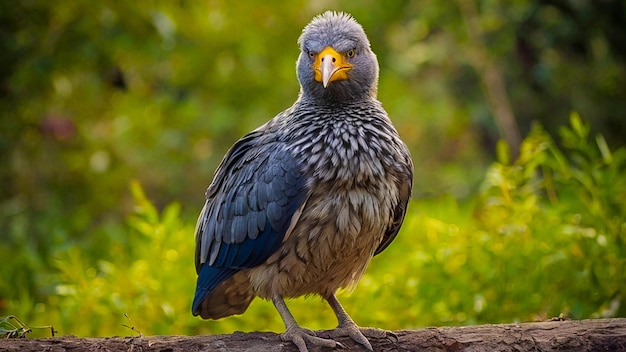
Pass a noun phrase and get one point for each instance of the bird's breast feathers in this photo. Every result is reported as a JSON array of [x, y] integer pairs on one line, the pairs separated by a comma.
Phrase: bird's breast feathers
[[352, 171]]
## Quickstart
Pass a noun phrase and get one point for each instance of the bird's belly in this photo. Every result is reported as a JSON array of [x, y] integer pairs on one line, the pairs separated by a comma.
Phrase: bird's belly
[[329, 248]]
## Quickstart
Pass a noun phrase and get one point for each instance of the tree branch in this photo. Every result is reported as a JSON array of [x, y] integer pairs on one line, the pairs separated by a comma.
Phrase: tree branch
[[579, 336]]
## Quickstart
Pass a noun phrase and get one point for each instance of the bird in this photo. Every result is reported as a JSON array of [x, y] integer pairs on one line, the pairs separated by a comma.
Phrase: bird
[[300, 205]]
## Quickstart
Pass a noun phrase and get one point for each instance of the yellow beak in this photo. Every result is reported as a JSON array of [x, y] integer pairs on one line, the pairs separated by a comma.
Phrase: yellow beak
[[330, 66]]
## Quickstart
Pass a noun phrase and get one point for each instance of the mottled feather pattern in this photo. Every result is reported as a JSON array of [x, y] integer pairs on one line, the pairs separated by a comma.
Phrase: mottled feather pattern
[[349, 161]]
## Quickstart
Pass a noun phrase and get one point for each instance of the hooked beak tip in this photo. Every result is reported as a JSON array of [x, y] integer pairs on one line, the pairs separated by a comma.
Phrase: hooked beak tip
[[328, 69]]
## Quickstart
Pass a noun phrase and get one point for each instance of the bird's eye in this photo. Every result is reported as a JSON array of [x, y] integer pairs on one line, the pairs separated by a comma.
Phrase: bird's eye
[[311, 54], [350, 53]]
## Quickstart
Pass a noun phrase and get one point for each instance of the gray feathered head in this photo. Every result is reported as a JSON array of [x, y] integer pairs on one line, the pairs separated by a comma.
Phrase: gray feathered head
[[336, 63]]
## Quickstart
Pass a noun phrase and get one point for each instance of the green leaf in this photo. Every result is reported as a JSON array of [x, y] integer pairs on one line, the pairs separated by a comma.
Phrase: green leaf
[[607, 157]]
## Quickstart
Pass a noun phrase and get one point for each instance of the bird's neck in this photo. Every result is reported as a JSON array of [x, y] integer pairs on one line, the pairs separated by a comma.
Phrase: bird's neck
[[315, 102], [337, 93]]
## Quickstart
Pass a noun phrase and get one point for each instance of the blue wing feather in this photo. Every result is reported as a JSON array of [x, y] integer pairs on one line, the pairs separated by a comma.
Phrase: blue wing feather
[[257, 189]]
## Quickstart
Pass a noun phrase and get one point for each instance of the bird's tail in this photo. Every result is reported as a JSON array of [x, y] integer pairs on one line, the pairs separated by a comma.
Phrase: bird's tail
[[231, 295], [208, 280]]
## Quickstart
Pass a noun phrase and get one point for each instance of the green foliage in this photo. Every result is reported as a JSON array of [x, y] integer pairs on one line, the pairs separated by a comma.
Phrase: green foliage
[[147, 274], [546, 236], [12, 327], [563, 215]]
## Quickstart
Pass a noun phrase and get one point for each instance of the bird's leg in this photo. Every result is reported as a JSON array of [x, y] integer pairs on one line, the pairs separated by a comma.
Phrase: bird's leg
[[294, 333], [347, 327]]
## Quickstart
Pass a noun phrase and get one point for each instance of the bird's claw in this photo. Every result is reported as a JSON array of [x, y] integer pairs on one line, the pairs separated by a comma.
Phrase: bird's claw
[[379, 334], [357, 334], [299, 337], [360, 335]]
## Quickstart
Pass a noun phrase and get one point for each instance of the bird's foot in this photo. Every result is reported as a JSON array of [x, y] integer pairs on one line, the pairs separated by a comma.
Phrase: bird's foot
[[300, 337], [360, 335], [376, 333], [357, 334]]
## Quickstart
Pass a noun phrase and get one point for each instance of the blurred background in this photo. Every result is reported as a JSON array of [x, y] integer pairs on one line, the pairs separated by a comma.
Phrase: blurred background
[[115, 114]]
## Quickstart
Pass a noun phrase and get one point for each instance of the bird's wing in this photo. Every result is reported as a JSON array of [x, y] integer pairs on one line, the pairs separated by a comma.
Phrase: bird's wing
[[250, 204], [405, 185]]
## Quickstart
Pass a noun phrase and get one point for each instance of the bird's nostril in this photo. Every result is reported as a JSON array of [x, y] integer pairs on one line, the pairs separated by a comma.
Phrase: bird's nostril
[[334, 59]]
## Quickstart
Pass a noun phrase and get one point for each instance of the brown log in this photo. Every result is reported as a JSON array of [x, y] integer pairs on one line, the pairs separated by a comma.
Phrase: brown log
[[581, 335]]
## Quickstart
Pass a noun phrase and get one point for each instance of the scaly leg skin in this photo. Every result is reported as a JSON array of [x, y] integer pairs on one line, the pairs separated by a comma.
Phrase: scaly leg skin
[[347, 327], [294, 333]]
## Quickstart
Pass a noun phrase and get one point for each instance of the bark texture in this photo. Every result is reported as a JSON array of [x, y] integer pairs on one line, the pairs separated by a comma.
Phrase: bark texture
[[582, 335]]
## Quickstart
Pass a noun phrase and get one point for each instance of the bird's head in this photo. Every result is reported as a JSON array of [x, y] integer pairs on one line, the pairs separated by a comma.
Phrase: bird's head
[[336, 63]]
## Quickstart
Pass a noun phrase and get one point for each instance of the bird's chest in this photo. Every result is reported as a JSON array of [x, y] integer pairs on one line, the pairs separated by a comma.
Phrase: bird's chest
[[344, 154], [331, 243], [343, 221]]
